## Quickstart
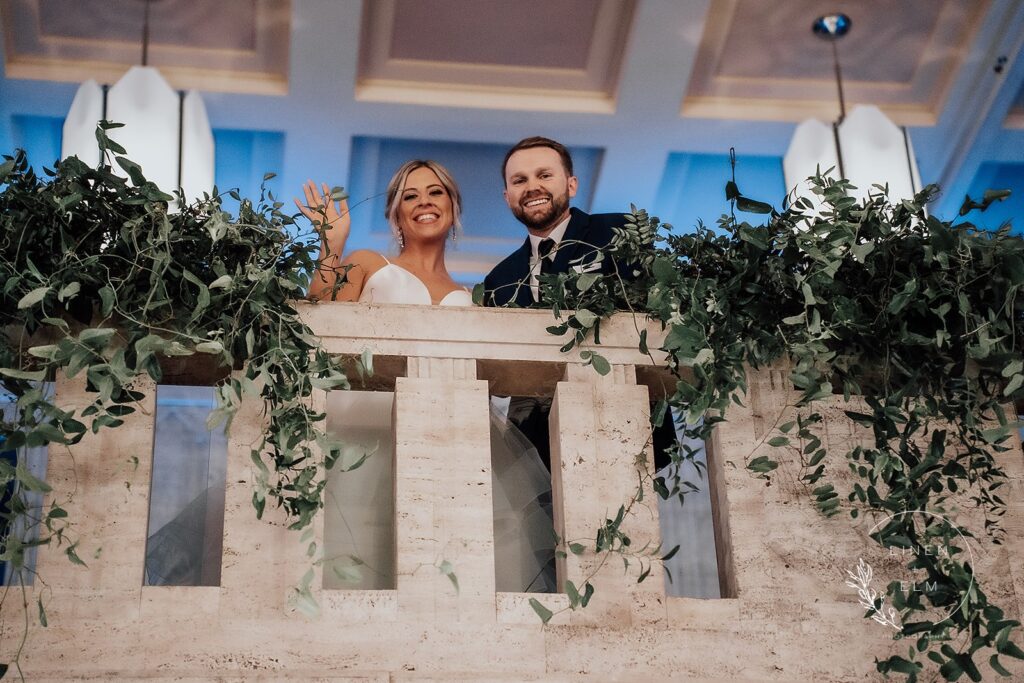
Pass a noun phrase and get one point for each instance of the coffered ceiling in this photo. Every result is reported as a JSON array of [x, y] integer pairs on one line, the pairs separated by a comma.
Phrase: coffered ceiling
[[227, 45], [760, 59], [561, 55], [650, 94], [756, 59]]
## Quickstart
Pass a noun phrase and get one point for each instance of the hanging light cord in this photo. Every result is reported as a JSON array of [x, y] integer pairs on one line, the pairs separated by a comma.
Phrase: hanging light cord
[[832, 27], [145, 35], [839, 81]]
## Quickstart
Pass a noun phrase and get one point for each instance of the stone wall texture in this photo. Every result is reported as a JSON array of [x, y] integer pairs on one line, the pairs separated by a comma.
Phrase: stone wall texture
[[788, 614]]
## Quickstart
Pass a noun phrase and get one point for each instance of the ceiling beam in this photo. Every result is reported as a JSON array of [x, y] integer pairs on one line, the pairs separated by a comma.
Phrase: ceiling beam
[[951, 152]]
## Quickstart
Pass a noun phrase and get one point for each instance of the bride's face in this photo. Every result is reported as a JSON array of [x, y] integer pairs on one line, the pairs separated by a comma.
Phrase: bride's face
[[424, 208]]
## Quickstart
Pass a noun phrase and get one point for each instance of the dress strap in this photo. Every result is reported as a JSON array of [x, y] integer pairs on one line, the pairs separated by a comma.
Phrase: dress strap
[[385, 259]]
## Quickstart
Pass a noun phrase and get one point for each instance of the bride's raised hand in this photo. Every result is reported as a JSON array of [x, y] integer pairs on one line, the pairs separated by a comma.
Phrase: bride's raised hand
[[330, 218]]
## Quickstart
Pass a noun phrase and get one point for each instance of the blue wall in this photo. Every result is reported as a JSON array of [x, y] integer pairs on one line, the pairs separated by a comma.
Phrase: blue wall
[[692, 187], [242, 158], [999, 176], [39, 136]]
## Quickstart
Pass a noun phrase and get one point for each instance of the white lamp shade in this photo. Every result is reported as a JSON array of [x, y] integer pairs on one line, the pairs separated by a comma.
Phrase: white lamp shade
[[197, 150], [813, 147], [148, 107], [875, 151], [151, 112], [79, 134]]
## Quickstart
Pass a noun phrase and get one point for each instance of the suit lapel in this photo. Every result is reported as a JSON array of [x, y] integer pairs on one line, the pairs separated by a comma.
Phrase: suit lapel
[[519, 282], [576, 232]]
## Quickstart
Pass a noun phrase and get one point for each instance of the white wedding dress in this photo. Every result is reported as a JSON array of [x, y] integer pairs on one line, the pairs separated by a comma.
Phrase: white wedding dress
[[359, 534], [393, 284]]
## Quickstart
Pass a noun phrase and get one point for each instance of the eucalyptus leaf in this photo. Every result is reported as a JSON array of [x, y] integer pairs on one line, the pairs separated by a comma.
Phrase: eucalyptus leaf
[[69, 291], [543, 612], [211, 346], [585, 317], [32, 375], [1013, 385], [47, 351], [586, 281], [221, 282], [448, 570], [600, 364], [33, 297], [752, 206], [107, 298]]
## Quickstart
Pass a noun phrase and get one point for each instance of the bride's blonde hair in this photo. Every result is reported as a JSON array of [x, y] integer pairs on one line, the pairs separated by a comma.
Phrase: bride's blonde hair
[[394, 191]]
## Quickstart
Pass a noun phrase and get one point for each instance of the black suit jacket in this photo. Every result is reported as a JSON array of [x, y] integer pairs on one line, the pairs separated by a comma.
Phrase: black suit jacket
[[508, 283]]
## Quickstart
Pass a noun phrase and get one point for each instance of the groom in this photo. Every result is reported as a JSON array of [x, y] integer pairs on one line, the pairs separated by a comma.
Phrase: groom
[[539, 183]]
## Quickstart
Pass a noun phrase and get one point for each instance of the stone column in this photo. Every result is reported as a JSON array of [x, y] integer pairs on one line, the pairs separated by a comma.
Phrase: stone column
[[443, 492], [744, 519], [263, 560], [599, 427], [103, 482], [1013, 522]]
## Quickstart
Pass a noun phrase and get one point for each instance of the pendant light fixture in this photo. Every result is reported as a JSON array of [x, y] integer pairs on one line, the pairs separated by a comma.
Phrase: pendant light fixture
[[166, 132], [865, 147]]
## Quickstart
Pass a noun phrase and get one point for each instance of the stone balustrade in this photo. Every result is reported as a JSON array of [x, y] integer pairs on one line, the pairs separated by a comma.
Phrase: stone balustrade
[[787, 614]]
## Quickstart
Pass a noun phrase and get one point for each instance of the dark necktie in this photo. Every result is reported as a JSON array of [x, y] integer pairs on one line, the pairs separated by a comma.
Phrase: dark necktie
[[543, 250]]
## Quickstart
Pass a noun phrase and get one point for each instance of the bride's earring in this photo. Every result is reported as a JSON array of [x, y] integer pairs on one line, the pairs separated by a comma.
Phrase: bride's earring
[[401, 239], [453, 234]]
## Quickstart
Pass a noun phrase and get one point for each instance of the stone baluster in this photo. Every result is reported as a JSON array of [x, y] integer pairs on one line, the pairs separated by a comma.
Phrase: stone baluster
[[103, 482], [263, 561], [443, 491], [599, 425]]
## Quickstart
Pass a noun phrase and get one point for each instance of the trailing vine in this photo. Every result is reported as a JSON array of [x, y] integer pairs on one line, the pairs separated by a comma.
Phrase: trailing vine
[[918, 317], [100, 281]]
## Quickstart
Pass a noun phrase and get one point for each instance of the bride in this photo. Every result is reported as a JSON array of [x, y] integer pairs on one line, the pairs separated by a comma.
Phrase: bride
[[423, 208]]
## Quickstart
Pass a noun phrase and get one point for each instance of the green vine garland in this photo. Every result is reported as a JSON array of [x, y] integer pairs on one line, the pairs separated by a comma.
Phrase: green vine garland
[[100, 279], [917, 315]]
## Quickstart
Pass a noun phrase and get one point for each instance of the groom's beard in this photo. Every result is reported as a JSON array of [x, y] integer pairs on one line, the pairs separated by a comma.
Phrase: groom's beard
[[542, 220]]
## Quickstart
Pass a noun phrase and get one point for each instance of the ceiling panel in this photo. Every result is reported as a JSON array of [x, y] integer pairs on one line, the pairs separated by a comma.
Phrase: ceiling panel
[[544, 55], [227, 24], [225, 46], [554, 35], [760, 60]]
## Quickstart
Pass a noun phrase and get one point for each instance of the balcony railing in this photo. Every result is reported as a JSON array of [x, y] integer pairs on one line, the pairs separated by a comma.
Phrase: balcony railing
[[786, 613]]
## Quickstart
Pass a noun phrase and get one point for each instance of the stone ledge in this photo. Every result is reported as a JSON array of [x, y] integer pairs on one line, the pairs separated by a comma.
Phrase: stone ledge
[[469, 332]]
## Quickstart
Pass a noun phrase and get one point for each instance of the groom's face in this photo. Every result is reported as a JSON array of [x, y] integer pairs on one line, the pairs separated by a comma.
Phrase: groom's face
[[537, 188]]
